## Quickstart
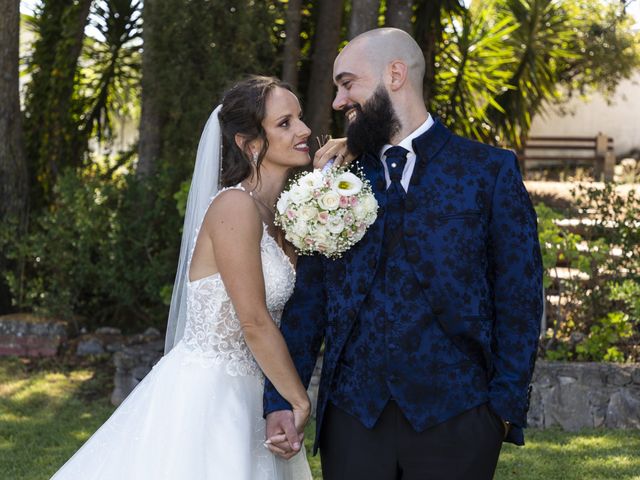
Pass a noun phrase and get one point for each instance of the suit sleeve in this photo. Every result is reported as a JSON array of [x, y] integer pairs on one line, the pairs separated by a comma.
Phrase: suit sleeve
[[302, 326], [516, 274]]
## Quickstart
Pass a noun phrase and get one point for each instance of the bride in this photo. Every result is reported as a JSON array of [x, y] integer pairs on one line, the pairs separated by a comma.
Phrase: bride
[[198, 414]]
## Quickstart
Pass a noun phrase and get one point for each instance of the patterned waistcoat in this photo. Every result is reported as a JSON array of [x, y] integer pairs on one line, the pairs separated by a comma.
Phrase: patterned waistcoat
[[397, 349]]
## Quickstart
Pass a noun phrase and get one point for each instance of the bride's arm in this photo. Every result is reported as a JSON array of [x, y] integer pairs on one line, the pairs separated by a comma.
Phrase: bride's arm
[[235, 228]]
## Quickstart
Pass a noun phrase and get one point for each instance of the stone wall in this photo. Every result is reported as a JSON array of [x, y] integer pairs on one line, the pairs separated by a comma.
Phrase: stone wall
[[576, 395], [569, 395], [28, 335], [132, 364]]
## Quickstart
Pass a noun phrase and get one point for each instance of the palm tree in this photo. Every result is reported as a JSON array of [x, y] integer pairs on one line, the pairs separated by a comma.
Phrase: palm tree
[[474, 67], [541, 43]]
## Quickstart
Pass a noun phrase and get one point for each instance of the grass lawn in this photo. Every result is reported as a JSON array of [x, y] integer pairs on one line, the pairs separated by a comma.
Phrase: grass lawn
[[48, 409]]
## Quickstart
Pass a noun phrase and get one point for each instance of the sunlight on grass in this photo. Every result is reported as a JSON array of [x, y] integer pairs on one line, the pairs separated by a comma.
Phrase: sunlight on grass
[[81, 435], [8, 388], [47, 414]]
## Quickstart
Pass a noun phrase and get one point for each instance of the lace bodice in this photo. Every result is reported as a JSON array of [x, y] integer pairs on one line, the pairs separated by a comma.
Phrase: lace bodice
[[212, 329]]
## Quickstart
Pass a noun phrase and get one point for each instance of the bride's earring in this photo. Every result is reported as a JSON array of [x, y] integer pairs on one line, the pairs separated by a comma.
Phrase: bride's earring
[[255, 158]]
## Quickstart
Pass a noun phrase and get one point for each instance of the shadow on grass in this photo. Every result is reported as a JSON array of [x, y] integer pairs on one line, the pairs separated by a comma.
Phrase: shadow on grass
[[47, 411]]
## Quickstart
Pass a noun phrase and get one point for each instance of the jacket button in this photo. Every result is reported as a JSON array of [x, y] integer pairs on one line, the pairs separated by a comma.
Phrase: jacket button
[[413, 258], [438, 310], [414, 180], [362, 289], [381, 184], [372, 263], [410, 231], [351, 313], [425, 283]]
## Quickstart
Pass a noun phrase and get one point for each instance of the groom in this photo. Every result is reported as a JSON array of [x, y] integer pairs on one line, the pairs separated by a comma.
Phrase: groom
[[430, 323]]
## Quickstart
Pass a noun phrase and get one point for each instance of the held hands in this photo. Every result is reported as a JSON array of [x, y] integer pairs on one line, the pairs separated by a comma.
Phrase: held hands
[[285, 431], [333, 148]]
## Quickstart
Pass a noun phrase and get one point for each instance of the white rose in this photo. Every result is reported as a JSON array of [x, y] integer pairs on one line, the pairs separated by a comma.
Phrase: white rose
[[300, 228], [335, 224], [283, 201], [370, 203], [347, 184], [359, 211], [308, 212], [296, 240], [329, 201], [312, 180], [299, 193]]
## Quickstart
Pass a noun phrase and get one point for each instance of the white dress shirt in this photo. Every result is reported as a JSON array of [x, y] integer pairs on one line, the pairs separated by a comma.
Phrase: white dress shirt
[[407, 143]]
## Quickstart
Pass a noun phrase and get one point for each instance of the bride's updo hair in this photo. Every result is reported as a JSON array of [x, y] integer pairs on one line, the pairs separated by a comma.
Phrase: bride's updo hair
[[243, 110]]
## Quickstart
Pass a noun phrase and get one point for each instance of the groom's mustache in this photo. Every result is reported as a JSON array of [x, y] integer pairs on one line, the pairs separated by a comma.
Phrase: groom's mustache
[[352, 109]]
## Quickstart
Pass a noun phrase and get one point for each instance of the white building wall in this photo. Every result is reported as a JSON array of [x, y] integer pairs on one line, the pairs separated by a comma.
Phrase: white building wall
[[618, 118]]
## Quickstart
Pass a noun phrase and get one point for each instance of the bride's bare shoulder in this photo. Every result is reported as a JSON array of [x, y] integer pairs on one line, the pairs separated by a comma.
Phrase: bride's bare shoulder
[[233, 211]]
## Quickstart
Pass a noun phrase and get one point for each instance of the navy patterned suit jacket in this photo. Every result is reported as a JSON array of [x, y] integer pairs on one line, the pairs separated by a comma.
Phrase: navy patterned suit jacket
[[470, 233]]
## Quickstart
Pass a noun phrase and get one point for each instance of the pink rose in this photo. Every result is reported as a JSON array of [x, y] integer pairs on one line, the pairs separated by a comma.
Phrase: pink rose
[[323, 217]]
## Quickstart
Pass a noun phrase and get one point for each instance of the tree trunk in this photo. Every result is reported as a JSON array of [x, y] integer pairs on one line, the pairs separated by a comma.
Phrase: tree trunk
[[428, 34], [364, 16], [320, 90], [429, 50], [13, 168], [150, 117], [399, 13], [292, 44], [50, 127]]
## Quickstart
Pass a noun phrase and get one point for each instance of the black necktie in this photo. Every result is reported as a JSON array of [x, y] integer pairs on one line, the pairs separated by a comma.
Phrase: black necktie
[[396, 158]]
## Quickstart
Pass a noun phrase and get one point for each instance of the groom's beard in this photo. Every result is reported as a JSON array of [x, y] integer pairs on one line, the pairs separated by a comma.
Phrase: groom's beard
[[375, 123]]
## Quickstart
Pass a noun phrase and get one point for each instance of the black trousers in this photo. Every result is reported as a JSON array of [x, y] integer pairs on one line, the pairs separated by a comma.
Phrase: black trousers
[[465, 447]]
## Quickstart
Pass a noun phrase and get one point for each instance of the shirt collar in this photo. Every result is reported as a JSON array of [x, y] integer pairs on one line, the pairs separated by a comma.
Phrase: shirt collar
[[407, 142]]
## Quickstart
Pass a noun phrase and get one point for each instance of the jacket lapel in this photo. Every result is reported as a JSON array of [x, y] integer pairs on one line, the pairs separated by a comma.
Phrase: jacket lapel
[[362, 261]]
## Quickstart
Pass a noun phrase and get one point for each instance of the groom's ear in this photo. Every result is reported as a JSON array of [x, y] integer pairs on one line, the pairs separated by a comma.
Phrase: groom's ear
[[399, 73]]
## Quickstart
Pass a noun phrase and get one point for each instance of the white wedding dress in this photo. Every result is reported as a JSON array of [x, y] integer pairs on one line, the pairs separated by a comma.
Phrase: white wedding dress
[[198, 414]]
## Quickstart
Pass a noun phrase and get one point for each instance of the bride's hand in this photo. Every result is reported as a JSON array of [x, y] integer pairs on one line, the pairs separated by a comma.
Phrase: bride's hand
[[285, 430], [334, 148]]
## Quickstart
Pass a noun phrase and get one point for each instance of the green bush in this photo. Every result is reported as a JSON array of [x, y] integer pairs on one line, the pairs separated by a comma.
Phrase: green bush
[[103, 253], [601, 343], [597, 311]]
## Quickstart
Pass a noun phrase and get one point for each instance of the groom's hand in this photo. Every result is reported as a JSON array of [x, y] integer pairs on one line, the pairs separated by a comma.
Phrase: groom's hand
[[335, 148], [283, 438]]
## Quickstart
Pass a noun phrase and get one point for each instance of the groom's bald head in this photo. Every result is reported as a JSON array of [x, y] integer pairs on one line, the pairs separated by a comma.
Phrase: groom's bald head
[[382, 46]]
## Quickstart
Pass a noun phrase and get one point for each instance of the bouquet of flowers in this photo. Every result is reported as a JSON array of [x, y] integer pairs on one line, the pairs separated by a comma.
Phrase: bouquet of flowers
[[326, 212]]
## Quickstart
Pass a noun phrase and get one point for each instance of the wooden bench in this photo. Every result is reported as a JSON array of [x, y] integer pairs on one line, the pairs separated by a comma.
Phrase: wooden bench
[[596, 152]]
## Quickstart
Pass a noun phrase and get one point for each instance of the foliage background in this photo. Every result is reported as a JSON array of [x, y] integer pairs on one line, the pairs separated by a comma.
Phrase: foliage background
[[95, 239]]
